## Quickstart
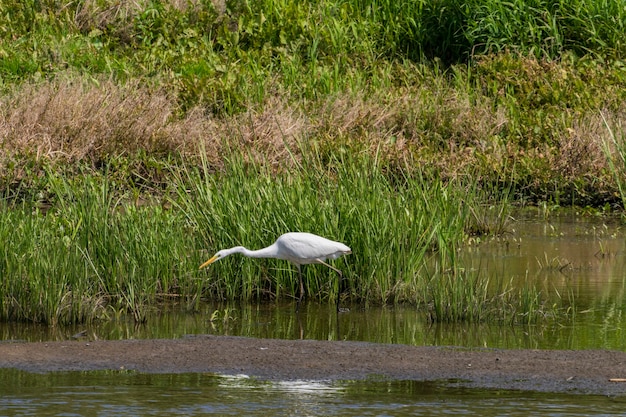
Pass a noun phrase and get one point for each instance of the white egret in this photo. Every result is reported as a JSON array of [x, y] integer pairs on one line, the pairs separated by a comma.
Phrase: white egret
[[297, 247]]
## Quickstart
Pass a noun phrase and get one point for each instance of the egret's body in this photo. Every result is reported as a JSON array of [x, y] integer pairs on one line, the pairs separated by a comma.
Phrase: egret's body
[[296, 247]]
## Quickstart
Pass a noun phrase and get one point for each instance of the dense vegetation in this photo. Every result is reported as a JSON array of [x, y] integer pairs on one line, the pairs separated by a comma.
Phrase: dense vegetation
[[134, 133]]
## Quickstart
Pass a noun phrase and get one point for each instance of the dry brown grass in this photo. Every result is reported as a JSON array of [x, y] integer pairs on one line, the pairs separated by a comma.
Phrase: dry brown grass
[[580, 148], [269, 136], [71, 120], [74, 120], [105, 14], [408, 125]]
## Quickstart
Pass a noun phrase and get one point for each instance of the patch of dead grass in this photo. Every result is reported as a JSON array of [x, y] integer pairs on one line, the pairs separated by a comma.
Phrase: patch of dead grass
[[75, 120], [580, 149], [408, 122], [71, 120], [106, 15], [269, 136]]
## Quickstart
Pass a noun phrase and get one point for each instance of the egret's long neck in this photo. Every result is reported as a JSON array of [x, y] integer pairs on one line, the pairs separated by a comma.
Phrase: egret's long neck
[[269, 252]]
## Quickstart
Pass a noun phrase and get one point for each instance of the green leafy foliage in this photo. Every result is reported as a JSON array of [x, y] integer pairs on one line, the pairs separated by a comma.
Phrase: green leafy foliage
[[493, 97]]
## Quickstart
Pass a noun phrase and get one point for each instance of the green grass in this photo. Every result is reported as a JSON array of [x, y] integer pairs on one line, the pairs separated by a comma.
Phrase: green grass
[[513, 89], [390, 126], [377, 216], [227, 57], [87, 253], [94, 253], [614, 146]]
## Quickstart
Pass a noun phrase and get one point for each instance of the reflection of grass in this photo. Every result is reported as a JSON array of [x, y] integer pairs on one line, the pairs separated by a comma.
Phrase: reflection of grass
[[603, 252], [224, 315], [553, 264]]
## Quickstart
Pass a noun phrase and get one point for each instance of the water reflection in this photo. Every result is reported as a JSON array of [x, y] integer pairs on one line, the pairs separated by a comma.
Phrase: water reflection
[[129, 393], [579, 257], [597, 329], [569, 253]]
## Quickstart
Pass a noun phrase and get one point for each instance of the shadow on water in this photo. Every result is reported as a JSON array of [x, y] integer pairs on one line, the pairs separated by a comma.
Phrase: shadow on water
[[574, 255], [129, 393]]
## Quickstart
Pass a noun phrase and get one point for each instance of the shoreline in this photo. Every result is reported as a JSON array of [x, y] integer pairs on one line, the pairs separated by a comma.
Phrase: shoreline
[[591, 372]]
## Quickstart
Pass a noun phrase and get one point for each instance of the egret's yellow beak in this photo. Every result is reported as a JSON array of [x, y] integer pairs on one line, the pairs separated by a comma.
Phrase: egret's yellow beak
[[209, 262]]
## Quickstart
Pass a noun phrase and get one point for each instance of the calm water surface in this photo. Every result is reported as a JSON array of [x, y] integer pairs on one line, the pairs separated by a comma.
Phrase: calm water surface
[[577, 256], [127, 393]]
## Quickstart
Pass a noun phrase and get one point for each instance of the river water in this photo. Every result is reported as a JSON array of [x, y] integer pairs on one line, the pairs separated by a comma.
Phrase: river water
[[580, 257]]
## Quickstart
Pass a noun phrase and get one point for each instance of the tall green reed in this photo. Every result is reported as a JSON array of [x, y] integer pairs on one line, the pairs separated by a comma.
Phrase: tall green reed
[[96, 254], [89, 255], [614, 146], [395, 225]]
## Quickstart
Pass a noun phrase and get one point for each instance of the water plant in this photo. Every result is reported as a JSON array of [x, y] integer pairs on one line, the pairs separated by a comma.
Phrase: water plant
[[95, 250], [400, 128]]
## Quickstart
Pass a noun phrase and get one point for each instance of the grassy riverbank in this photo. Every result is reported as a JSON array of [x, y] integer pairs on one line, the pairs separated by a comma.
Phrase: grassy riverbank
[[136, 135], [516, 93], [93, 251]]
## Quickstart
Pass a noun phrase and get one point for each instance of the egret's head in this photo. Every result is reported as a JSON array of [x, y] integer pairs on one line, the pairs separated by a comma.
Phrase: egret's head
[[219, 255]]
